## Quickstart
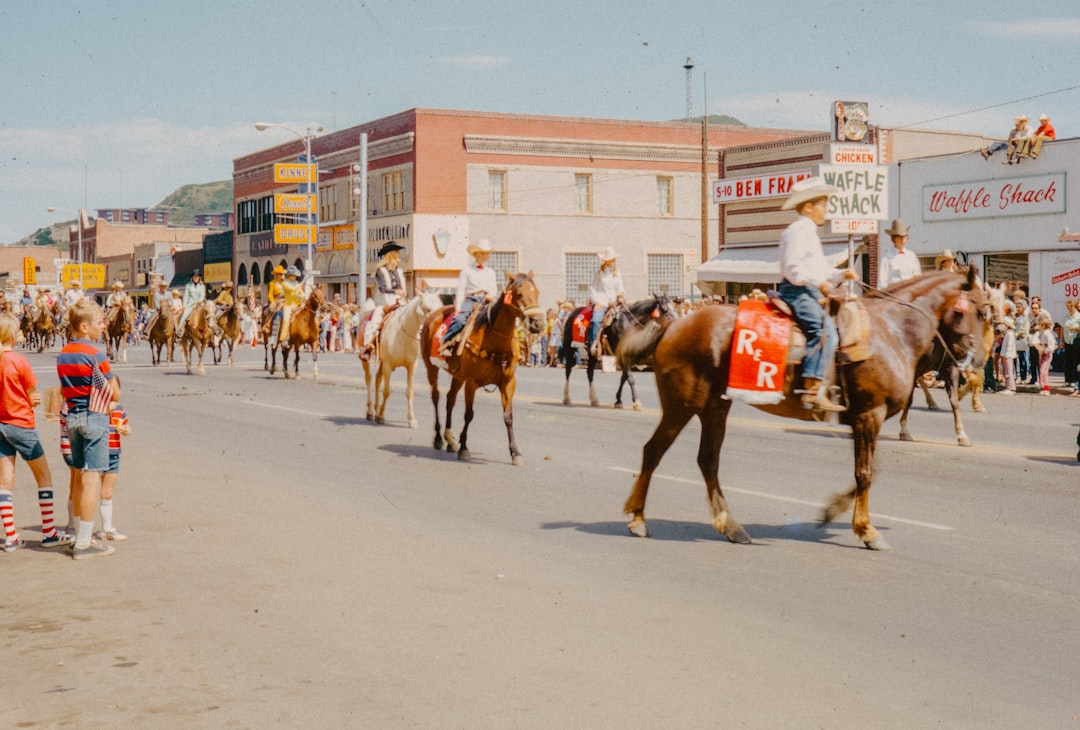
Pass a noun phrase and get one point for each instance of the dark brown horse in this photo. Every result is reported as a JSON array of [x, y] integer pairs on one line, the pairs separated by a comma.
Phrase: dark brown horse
[[120, 320], [651, 311], [692, 357], [489, 357], [229, 324], [45, 328], [303, 330], [198, 334], [162, 333]]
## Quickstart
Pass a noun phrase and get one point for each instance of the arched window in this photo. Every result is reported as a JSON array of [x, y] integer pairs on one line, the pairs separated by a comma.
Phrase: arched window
[[241, 275], [268, 273], [299, 263], [255, 275]]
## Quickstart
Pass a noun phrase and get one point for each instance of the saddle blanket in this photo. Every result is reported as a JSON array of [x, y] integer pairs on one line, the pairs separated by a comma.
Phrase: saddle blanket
[[581, 326], [436, 341], [758, 354]]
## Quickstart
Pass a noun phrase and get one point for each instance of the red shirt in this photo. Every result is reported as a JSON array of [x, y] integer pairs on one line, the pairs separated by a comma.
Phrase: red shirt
[[1046, 130], [17, 379]]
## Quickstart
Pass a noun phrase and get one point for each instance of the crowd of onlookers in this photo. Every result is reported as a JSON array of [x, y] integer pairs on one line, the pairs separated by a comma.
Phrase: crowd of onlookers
[[1030, 344]]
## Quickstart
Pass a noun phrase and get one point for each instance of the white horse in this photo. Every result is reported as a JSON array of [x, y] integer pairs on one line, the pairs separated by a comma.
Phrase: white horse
[[398, 346]]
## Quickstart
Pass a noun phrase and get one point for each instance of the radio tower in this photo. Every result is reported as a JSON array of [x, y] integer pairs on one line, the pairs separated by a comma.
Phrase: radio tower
[[689, 66]]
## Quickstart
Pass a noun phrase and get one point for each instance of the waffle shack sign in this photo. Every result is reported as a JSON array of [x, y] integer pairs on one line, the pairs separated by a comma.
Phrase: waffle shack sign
[[1033, 195]]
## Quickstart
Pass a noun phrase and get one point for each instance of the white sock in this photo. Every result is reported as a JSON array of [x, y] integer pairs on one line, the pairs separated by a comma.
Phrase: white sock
[[85, 533], [106, 515]]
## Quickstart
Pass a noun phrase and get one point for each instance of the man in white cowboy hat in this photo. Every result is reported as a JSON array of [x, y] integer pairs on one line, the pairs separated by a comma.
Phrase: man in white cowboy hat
[[117, 298], [807, 277], [606, 289], [161, 295], [1020, 132], [1044, 132], [73, 294], [899, 264], [389, 292], [476, 285], [194, 294]]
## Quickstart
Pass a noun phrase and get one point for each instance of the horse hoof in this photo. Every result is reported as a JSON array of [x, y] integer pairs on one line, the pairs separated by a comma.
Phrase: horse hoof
[[380, 420], [594, 403], [464, 455], [438, 443], [979, 409], [905, 436], [638, 529], [413, 423], [618, 405], [963, 440], [518, 460], [738, 536], [878, 543], [638, 406], [932, 407], [566, 400], [372, 418]]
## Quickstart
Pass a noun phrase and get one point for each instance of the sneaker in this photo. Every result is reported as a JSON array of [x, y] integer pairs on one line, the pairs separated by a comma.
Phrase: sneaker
[[60, 538], [94, 550], [985, 154], [1008, 392], [10, 547], [112, 534]]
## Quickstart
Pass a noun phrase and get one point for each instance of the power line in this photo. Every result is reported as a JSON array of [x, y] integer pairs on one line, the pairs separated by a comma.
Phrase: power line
[[986, 108]]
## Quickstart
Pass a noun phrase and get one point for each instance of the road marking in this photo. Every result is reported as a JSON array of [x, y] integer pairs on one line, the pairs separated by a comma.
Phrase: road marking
[[283, 408], [792, 500]]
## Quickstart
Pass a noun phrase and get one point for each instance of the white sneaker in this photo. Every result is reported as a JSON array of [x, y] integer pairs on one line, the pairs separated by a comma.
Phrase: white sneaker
[[112, 534]]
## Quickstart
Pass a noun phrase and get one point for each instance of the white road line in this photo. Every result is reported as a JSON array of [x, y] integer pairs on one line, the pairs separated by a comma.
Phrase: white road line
[[792, 500], [282, 408]]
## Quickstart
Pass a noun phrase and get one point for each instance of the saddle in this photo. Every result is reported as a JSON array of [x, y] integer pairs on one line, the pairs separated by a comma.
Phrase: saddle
[[852, 322]]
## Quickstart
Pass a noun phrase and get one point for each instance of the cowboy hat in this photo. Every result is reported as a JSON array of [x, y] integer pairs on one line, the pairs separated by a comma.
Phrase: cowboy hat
[[481, 246], [279, 270], [1044, 118], [608, 254], [117, 285], [390, 247], [227, 285], [292, 271], [806, 190], [945, 255], [899, 228], [1022, 118], [196, 272]]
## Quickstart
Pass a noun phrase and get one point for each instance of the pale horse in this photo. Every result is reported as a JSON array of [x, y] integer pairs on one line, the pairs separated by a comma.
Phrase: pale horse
[[398, 346]]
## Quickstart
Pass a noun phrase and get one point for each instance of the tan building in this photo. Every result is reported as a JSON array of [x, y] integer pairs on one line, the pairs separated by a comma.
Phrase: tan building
[[13, 266], [548, 192]]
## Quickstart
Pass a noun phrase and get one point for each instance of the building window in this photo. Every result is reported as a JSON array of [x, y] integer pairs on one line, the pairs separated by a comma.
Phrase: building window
[[268, 272], [241, 275], [393, 192], [501, 262], [255, 275], [583, 193], [665, 273], [266, 214], [328, 203], [496, 189], [580, 268], [665, 196], [247, 213]]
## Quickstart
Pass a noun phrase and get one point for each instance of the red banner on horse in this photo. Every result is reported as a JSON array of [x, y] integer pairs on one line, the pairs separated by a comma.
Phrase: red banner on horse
[[758, 354]]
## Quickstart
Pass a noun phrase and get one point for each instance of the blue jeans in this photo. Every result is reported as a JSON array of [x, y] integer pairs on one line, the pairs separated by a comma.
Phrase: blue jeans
[[821, 335], [1022, 365], [994, 147], [598, 312], [89, 436], [460, 318]]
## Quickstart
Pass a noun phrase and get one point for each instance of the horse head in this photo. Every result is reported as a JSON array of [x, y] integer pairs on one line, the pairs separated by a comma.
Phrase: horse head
[[523, 298], [967, 320]]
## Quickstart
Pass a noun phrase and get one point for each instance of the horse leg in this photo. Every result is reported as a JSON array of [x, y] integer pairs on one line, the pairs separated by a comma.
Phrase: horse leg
[[382, 391], [905, 435], [931, 404], [507, 395], [952, 388], [865, 430], [569, 369], [370, 415], [315, 364], [202, 350], [410, 376], [713, 428], [672, 422], [590, 369], [633, 392], [284, 361], [470, 394], [452, 443], [433, 381]]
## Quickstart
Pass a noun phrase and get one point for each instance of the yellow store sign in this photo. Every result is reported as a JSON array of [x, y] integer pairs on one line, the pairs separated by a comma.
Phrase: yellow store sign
[[93, 276]]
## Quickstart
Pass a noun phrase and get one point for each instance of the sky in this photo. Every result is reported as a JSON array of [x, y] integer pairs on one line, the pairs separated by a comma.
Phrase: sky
[[117, 103]]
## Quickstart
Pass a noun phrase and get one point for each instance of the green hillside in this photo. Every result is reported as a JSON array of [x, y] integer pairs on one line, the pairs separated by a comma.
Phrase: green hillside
[[182, 205]]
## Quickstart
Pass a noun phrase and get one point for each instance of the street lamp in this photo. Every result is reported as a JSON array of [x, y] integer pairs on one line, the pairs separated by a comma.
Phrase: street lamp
[[80, 215], [313, 181]]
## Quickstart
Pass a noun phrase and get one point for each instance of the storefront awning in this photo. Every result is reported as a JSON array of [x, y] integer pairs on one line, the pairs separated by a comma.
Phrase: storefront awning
[[754, 265]]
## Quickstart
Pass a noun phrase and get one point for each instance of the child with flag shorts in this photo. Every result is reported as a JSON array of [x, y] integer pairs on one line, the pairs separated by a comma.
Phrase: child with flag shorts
[[86, 385], [19, 395], [118, 426]]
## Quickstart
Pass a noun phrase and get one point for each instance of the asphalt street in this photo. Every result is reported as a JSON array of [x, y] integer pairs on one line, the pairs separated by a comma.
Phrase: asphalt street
[[291, 564]]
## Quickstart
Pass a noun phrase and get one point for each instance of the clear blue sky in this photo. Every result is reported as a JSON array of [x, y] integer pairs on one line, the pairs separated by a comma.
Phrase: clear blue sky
[[117, 104]]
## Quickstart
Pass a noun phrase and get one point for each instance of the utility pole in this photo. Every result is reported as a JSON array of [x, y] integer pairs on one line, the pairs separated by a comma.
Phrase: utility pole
[[704, 170]]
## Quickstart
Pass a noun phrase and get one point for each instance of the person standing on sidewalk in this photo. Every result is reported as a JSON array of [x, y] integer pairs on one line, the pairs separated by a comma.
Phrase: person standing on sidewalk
[[1045, 343], [1070, 333]]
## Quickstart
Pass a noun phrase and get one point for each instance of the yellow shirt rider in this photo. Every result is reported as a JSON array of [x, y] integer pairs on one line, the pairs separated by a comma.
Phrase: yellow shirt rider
[[292, 298]]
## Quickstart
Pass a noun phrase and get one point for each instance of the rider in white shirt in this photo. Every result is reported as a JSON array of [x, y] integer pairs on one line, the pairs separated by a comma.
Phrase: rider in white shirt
[[606, 289], [476, 285]]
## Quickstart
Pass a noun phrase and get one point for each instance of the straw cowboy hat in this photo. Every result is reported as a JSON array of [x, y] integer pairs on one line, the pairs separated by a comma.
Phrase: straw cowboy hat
[[1044, 118], [117, 285], [608, 254], [898, 228], [1023, 118], [390, 247], [227, 285], [806, 190], [279, 270], [481, 246], [945, 255]]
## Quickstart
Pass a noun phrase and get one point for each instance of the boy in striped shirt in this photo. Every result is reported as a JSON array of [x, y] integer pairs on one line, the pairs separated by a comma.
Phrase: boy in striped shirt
[[86, 385]]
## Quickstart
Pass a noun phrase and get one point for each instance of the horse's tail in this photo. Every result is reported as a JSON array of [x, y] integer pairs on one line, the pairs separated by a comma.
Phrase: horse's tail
[[638, 346]]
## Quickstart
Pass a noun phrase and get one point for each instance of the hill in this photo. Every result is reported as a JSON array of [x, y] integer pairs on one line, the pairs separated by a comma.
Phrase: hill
[[183, 205], [715, 119]]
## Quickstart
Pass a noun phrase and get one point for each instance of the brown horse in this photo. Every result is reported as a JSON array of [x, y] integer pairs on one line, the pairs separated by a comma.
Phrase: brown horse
[[489, 357], [692, 357], [198, 334], [162, 333], [120, 320], [229, 324], [303, 330], [45, 328]]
